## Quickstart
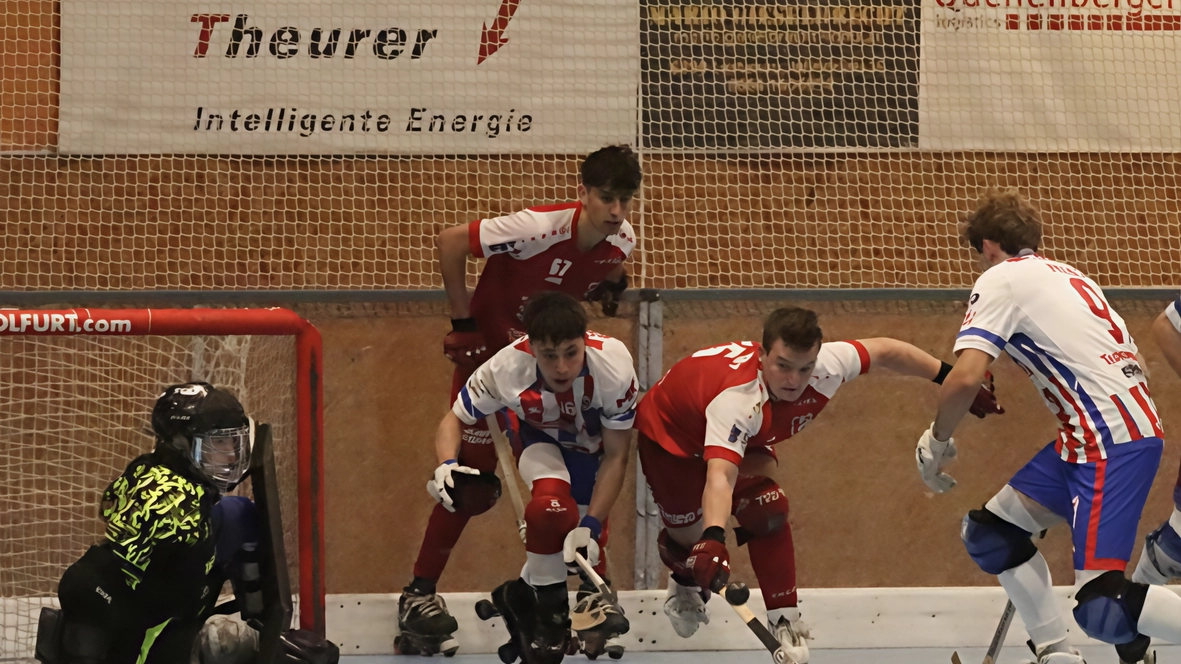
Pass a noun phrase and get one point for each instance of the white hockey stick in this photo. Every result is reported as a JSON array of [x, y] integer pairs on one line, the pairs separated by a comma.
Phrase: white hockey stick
[[504, 455], [1002, 630]]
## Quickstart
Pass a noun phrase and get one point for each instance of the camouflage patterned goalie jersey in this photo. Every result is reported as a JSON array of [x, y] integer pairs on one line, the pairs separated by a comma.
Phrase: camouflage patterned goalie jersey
[[159, 526]]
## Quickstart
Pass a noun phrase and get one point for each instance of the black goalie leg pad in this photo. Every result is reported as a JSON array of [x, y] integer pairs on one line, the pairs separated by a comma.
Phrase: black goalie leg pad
[[60, 641], [272, 556], [49, 636]]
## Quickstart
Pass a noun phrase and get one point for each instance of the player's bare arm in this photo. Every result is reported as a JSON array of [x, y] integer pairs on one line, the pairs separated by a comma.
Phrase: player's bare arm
[[447, 438], [959, 391], [453, 252], [612, 471], [900, 357], [1169, 340], [716, 500]]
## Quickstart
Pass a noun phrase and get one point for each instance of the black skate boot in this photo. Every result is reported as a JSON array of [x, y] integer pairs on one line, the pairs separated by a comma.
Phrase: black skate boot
[[426, 627], [1136, 651], [537, 619], [597, 622]]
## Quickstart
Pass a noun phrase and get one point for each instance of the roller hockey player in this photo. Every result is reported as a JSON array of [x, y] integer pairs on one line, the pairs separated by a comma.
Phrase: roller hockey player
[[1056, 324], [578, 248], [1160, 559], [706, 432], [574, 394], [143, 594]]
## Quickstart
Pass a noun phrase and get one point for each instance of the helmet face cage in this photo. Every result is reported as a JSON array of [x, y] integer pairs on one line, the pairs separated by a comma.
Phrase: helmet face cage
[[224, 454]]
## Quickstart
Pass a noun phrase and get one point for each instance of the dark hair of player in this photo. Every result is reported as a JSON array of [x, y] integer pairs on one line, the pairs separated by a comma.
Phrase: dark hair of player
[[615, 169], [554, 317], [798, 328], [1005, 217]]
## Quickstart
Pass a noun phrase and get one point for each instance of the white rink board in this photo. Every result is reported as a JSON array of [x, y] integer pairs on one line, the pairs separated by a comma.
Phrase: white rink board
[[365, 624]]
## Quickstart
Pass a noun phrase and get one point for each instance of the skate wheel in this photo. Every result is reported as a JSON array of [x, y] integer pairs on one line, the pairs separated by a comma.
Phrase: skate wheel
[[592, 656], [486, 610], [615, 653], [508, 653]]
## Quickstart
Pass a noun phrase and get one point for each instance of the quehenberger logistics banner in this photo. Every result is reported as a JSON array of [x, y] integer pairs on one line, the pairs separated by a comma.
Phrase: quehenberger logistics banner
[[1051, 75], [329, 76]]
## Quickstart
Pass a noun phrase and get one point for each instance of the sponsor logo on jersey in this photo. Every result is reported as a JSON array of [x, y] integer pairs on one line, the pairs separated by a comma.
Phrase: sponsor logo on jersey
[[1117, 356], [1132, 370], [586, 403], [737, 435], [680, 519], [102, 593], [602, 261], [799, 422], [509, 247]]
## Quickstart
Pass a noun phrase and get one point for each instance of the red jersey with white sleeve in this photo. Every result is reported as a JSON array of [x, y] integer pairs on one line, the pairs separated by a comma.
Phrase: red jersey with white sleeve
[[1057, 325], [602, 396], [532, 251], [713, 404]]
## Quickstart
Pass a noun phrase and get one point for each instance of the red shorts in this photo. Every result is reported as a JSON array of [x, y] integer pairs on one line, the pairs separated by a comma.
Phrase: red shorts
[[678, 482]]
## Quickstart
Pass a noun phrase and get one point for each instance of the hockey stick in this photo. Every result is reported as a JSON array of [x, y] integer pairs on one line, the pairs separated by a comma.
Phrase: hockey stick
[[1002, 630], [504, 455], [737, 595]]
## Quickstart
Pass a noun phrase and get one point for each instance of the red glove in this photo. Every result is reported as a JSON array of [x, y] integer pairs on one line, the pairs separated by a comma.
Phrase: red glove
[[710, 560], [465, 345], [985, 403]]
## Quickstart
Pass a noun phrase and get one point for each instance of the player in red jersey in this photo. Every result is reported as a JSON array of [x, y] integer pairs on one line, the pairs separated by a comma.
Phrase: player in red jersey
[[705, 436], [578, 248]]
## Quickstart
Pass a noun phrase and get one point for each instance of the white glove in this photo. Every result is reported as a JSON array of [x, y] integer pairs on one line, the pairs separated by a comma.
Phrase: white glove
[[443, 481], [580, 540], [932, 455]]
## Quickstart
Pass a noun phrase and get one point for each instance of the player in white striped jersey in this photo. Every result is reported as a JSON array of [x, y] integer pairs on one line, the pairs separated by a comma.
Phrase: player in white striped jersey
[[1056, 324], [574, 395], [1160, 559]]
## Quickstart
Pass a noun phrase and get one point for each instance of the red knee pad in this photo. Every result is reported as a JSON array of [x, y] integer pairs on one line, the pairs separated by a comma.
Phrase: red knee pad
[[761, 509], [550, 515], [673, 554]]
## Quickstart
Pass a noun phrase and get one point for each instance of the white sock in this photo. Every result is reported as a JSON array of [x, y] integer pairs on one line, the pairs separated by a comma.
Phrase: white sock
[[543, 569], [1161, 616], [1028, 587], [1146, 572]]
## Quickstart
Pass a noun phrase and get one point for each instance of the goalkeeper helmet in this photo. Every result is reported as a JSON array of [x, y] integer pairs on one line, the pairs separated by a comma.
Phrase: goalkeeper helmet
[[209, 427]]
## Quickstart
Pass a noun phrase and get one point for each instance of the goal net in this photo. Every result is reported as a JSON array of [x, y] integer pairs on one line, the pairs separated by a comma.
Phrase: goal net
[[78, 388]]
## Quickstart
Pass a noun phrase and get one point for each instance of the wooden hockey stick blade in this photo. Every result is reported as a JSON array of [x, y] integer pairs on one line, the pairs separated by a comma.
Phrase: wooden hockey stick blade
[[593, 576], [760, 630], [955, 658], [504, 455]]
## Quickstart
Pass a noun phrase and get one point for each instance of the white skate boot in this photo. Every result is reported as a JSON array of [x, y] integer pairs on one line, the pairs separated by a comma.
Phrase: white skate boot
[[793, 633], [685, 608]]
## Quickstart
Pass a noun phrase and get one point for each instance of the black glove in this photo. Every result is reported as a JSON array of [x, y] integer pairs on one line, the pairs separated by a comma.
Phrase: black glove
[[607, 294]]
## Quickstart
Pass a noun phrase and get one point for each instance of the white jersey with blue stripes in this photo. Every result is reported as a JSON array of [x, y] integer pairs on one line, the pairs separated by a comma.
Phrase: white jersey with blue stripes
[[603, 395], [1058, 326]]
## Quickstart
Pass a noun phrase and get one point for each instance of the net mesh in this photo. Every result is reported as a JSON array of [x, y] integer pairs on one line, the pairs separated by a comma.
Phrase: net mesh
[[805, 143], [77, 411]]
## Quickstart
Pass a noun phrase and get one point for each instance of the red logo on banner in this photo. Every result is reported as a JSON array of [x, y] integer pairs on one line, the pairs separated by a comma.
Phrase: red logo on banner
[[493, 38]]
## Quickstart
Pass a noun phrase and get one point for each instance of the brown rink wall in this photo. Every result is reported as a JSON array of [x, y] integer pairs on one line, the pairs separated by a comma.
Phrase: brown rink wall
[[860, 515]]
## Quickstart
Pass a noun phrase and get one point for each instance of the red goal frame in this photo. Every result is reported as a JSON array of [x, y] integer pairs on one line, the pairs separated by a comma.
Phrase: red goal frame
[[309, 398]]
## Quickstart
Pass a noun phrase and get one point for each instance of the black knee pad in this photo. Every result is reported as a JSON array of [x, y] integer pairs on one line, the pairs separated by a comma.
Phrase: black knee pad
[[995, 544], [1109, 607]]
